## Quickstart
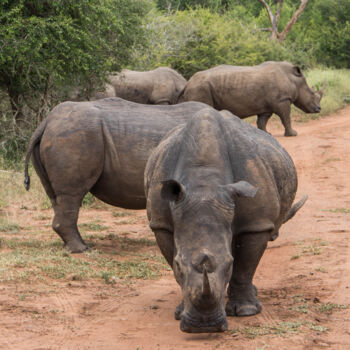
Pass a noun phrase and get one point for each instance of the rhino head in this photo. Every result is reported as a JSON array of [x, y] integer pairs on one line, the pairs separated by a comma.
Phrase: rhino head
[[308, 99], [202, 219]]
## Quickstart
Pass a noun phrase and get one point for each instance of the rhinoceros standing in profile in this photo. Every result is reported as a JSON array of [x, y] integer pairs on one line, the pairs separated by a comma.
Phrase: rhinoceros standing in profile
[[217, 191], [102, 147], [162, 85], [270, 87]]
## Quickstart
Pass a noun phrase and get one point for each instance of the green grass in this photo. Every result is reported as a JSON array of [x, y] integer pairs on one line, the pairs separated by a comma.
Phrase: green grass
[[339, 210], [329, 307], [92, 226], [7, 227], [280, 329], [316, 248], [121, 214], [12, 191], [31, 259], [318, 328]]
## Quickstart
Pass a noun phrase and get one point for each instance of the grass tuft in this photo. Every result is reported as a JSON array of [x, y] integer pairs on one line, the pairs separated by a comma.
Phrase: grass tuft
[[329, 307]]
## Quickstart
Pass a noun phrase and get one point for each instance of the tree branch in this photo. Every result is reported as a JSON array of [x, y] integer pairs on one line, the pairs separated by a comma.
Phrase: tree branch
[[288, 27], [278, 12], [269, 12]]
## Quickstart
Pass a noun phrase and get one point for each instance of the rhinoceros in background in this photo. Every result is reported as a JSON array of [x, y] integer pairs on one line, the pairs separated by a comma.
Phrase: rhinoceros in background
[[162, 85], [217, 191], [98, 146], [270, 87]]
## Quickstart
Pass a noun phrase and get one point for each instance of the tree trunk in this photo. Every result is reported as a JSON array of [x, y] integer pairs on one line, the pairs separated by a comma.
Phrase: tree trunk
[[274, 19]]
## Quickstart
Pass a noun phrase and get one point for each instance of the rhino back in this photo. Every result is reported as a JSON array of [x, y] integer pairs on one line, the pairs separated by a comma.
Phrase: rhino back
[[160, 85], [110, 139], [243, 91], [246, 154]]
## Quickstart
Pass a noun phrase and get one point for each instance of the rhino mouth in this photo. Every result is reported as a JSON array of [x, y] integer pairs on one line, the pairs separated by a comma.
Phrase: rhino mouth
[[199, 323]]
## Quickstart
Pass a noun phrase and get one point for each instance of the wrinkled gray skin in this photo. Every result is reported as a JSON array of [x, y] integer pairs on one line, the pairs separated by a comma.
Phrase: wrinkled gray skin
[[102, 147], [162, 85], [270, 87], [217, 191]]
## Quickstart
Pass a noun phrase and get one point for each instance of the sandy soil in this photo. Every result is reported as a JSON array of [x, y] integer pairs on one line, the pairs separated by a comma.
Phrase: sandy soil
[[305, 268]]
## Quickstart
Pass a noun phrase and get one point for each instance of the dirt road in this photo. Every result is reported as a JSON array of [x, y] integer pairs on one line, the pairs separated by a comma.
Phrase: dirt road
[[303, 278]]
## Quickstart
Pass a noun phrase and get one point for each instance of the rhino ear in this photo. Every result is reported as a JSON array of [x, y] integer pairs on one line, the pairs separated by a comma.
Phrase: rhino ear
[[172, 190], [241, 189], [297, 71]]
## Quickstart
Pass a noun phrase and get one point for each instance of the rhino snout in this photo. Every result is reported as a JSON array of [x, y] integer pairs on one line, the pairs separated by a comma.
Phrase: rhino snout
[[192, 322]]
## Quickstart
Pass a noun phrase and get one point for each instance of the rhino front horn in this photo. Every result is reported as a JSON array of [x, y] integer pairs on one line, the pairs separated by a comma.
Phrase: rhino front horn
[[206, 291]]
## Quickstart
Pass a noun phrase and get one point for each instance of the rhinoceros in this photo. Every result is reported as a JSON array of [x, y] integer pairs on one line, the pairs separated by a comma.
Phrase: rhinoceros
[[270, 87], [162, 85], [217, 191], [98, 146]]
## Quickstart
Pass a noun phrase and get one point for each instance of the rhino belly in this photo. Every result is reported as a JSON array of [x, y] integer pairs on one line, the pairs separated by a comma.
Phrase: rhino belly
[[122, 186]]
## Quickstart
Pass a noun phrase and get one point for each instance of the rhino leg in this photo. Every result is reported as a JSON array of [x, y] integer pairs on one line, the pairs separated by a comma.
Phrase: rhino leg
[[249, 248], [165, 241], [262, 120], [284, 113], [66, 208]]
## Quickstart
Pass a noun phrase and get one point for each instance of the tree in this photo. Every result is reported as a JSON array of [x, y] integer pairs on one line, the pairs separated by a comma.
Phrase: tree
[[46, 44], [274, 19], [179, 5]]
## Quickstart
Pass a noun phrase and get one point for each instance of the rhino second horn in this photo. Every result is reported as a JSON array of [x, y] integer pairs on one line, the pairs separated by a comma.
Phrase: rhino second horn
[[206, 291], [323, 87]]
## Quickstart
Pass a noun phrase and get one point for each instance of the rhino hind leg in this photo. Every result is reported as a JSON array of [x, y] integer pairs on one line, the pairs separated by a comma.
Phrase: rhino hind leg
[[262, 120], [242, 294], [66, 208]]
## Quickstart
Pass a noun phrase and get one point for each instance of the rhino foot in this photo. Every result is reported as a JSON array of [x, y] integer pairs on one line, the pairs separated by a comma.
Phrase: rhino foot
[[243, 302], [243, 308], [178, 311], [290, 133], [76, 247]]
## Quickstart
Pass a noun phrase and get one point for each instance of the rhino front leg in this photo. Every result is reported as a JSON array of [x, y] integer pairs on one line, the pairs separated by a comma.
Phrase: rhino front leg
[[262, 120], [66, 208], [165, 241], [249, 248], [284, 113]]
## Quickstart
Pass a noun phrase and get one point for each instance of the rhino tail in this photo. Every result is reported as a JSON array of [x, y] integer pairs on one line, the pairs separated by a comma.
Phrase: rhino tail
[[35, 139], [293, 210]]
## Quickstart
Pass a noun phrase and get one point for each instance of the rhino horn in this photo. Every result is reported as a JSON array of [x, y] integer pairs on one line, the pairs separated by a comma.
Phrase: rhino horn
[[206, 291], [322, 88]]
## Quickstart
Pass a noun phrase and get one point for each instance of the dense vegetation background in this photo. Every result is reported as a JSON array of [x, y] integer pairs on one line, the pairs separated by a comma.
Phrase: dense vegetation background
[[50, 50]]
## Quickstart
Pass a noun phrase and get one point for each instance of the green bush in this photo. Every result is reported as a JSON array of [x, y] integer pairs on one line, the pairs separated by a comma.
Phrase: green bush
[[194, 40]]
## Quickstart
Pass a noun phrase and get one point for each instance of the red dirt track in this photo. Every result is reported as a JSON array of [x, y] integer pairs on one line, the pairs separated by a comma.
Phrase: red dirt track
[[307, 266]]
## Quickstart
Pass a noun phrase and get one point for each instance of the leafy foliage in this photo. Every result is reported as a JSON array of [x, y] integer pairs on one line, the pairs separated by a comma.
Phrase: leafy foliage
[[194, 40], [48, 47]]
